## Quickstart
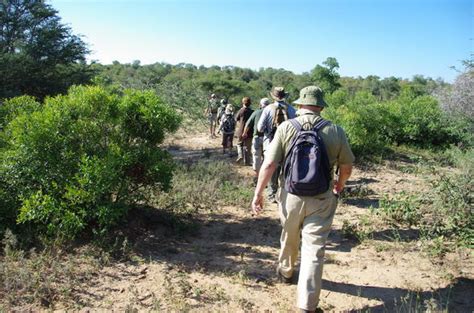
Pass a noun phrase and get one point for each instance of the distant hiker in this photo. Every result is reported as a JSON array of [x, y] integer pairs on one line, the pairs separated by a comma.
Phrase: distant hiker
[[308, 194], [244, 144], [272, 116], [227, 128], [221, 110], [211, 112], [250, 130]]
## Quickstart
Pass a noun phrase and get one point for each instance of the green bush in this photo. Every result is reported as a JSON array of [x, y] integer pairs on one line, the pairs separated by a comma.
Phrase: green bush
[[363, 122], [16, 106], [84, 158]]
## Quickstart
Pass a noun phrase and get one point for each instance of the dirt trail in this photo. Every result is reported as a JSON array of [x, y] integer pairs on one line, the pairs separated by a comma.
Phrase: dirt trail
[[229, 264]]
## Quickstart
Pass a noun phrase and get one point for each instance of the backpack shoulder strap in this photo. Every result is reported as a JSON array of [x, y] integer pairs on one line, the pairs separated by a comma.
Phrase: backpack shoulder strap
[[295, 124], [320, 124]]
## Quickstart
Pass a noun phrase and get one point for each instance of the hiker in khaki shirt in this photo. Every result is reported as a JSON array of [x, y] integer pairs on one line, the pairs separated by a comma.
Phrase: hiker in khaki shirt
[[307, 216]]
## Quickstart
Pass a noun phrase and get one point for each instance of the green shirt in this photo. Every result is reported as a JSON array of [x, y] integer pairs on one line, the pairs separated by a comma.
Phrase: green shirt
[[253, 120], [334, 138]]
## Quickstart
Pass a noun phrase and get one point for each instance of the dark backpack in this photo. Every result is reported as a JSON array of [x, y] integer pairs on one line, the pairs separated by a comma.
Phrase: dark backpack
[[229, 123], [306, 168], [280, 115]]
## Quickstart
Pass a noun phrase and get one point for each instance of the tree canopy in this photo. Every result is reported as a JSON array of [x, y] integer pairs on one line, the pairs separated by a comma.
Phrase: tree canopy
[[39, 55]]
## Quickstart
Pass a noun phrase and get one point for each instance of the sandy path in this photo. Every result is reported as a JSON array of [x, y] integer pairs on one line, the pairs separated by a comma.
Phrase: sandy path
[[229, 264]]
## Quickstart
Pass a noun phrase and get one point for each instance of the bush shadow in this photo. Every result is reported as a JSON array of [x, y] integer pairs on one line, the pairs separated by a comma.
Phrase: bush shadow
[[214, 242]]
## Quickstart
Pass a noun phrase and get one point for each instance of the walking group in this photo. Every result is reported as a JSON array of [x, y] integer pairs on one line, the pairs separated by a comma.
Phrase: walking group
[[297, 154]]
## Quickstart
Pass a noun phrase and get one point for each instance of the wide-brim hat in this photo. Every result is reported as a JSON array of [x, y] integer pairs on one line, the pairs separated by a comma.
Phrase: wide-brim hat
[[278, 93], [311, 95], [229, 109]]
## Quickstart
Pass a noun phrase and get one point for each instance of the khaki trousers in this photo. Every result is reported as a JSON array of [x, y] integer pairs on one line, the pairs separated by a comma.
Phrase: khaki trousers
[[257, 152], [312, 218]]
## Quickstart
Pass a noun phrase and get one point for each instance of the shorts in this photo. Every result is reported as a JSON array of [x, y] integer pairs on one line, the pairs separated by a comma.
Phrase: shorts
[[212, 117]]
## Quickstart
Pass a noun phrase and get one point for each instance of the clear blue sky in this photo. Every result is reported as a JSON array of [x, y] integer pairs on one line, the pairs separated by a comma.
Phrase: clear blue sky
[[368, 37]]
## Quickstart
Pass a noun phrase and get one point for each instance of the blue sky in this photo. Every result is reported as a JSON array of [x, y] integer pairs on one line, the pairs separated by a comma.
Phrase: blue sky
[[368, 37]]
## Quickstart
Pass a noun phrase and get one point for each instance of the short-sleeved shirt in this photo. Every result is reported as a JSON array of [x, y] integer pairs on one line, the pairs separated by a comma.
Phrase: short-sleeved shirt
[[334, 138], [213, 105], [253, 120], [242, 117], [264, 124]]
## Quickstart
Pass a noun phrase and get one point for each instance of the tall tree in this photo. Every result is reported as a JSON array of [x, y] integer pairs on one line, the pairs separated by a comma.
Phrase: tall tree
[[39, 56], [327, 76]]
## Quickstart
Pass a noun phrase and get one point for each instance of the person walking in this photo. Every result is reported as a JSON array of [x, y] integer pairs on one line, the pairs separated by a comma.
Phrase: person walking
[[257, 138], [305, 218], [211, 112], [227, 127], [221, 110], [272, 116], [243, 145]]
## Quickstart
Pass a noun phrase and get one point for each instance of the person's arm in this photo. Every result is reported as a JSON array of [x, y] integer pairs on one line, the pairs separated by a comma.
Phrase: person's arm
[[345, 171], [247, 127], [266, 172], [261, 122]]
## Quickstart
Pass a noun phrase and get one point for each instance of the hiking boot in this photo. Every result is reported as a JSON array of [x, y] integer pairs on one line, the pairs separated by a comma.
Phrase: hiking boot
[[284, 280]]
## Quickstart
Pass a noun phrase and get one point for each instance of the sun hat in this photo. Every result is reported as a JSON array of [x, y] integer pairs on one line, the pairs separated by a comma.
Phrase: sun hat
[[311, 95], [213, 95], [278, 93], [264, 102], [229, 109]]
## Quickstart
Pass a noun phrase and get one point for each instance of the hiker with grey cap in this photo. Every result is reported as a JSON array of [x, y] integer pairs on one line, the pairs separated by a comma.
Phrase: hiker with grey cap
[[211, 112], [310, 148], [273, 115], [250, 130]]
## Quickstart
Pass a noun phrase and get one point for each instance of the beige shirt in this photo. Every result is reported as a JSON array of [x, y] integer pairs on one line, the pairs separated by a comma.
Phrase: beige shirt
[[334, 138]]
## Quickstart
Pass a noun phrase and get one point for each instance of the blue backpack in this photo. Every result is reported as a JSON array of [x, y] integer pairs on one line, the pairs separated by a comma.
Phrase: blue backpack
[[306, 168]]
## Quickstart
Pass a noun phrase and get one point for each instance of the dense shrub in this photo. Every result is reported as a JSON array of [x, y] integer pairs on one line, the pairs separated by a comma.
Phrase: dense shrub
[[363, 122], [81, 160], [413, 120]]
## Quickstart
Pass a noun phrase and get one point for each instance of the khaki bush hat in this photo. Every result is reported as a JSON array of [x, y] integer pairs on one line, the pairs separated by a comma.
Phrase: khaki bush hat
[[229, 109], [278, 93], [311, 95]]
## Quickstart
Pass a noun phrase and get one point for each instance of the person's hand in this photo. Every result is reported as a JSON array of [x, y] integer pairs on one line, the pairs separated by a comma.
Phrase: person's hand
[[338, 187], [257, 204]]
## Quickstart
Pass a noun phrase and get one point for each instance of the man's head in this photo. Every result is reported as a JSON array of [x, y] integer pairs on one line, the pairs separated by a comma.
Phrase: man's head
[[264, 102], [278, 93], [246, 101], [311, 97], [213, 96], [223, 102]]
